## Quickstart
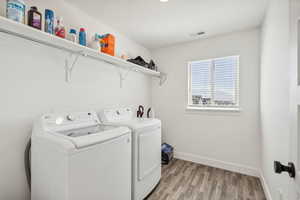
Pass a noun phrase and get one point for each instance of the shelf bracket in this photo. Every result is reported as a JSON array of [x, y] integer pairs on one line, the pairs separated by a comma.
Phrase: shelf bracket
[[70, 62], [123, 76], [162, 78]]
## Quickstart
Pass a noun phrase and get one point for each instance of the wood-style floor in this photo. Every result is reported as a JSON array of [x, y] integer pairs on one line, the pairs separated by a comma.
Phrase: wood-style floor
[[182, 180]]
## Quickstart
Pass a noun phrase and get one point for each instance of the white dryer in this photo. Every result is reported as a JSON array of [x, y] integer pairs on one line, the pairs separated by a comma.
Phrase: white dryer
[[146, 148], [74, 157]]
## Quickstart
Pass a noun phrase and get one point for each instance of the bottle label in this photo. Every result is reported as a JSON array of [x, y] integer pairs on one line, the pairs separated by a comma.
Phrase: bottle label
[[60, 33], [15, 11], [49, 25], [36, 21]]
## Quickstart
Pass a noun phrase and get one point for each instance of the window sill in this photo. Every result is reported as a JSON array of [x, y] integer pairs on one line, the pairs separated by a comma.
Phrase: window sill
[[197, 108]]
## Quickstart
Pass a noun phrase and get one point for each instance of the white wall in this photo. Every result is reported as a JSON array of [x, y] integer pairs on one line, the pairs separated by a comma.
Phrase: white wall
[[227, 139], [275, 94], [32, 83]]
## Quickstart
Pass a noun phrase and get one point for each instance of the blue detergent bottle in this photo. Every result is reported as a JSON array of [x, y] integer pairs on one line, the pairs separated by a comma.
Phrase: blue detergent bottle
[[82, 37], [49, 21]]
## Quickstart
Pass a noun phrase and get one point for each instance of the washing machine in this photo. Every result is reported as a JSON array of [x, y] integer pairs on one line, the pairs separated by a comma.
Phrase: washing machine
[[74, 157], [146, 148]]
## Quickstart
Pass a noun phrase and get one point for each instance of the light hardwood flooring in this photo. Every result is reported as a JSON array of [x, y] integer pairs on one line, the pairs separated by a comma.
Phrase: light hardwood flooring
[[183, 180]]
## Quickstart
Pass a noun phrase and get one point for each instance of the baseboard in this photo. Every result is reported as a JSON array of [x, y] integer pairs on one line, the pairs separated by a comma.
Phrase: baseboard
[[218, 164], [265, 187]]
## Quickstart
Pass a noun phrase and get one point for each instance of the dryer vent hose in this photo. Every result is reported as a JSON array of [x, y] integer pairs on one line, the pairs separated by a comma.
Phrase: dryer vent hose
[[27, 158]]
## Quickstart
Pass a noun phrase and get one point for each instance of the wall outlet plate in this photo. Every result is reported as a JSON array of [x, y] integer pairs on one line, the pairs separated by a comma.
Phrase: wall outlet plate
[[280, 194]]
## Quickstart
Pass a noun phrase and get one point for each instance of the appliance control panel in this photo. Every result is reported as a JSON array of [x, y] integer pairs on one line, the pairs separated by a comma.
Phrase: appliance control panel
[[116, 115], [57, 121]]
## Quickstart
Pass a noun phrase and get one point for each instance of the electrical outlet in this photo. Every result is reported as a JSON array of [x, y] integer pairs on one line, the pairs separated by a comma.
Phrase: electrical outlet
[[280, 194], [298, 195]]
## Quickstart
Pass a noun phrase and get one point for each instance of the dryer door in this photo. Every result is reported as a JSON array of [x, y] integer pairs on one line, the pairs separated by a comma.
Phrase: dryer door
[[149, 152]]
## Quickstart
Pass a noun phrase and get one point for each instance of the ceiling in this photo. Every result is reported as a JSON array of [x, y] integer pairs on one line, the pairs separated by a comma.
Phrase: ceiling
[[154, 24]]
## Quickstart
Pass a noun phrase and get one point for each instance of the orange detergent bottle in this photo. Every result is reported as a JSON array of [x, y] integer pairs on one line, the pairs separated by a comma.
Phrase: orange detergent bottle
[[108, 44]]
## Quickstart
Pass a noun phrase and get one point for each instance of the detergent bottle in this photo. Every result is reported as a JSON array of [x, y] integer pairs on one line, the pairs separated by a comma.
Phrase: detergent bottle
[[82, 37], [95, 43]]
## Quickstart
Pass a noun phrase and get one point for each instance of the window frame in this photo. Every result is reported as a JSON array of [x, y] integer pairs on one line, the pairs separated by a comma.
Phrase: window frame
[[191, 106]]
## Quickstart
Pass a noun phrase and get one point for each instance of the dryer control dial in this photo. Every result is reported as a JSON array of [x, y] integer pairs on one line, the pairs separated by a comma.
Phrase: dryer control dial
[[70, 118]]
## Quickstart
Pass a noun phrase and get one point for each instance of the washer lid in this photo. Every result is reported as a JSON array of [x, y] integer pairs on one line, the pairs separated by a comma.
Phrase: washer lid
[[90, 130], [89, 136]]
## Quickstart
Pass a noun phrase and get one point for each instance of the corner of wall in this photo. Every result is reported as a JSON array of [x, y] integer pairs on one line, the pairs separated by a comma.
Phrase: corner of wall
[[265, 186]]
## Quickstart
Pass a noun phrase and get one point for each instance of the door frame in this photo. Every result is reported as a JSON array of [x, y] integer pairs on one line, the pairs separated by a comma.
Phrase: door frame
[[294, 189]]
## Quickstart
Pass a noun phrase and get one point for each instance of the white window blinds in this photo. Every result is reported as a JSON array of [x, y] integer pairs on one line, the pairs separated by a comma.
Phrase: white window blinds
[[214, 82]]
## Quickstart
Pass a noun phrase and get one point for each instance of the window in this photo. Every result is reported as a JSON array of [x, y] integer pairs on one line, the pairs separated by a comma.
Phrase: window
[[214, 83]]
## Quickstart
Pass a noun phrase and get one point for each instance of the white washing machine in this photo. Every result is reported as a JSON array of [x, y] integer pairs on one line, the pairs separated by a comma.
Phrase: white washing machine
[[146, 148], [74, 157]]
